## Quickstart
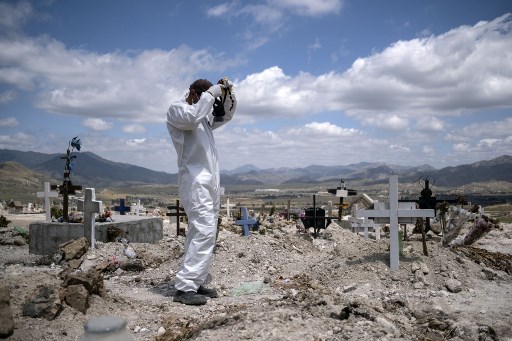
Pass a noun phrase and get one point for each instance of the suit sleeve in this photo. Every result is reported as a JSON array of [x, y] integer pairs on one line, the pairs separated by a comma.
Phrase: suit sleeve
[[183, 116]]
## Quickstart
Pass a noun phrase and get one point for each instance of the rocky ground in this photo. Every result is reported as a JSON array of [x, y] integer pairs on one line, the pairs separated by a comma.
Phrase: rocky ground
[[280, 285]]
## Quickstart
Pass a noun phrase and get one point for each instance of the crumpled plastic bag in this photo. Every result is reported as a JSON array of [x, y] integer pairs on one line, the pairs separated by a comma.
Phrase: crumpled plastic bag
[[247, 288]]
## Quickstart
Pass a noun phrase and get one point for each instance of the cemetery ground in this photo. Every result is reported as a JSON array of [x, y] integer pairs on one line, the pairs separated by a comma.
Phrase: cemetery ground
[[278, 284]]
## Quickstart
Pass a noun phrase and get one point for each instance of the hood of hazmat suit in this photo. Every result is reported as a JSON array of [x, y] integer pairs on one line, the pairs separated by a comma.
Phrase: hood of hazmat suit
[[191, 129]]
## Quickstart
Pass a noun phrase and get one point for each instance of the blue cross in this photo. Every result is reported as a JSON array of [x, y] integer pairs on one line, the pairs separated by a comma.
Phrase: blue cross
[[121, 208], [245, 221]]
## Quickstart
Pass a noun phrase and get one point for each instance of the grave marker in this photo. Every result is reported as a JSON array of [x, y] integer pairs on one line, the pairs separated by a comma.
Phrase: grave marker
[[47, 194], [228, 207], [178, 212], [245, 221], [394, 213], [137, 208], [90, 206], [67, 187], [122, 208], [342, 192]]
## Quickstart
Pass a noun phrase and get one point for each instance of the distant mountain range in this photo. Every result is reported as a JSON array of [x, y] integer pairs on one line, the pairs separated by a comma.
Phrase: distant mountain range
[[94, 171]]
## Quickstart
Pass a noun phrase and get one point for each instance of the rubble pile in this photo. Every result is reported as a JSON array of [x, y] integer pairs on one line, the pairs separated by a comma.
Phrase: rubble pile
[[276, 284]]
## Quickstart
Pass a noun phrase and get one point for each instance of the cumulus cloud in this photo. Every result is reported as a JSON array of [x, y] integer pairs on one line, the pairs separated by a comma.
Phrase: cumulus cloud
[[458, 72], [17, 141], [97, 124], [134, 128], [135, 142], [461, 147], [79, 82], [9, 122]]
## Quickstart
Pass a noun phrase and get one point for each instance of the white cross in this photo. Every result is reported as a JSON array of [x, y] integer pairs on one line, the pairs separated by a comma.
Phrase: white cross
[[47, 194], [369, 223], [394, 213], [90, 206], [228, 207], [138, 207]]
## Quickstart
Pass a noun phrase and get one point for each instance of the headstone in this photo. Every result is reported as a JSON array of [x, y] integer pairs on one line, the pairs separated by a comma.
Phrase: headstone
[[122, 208], [90, 206], [245, 221], [47, 194], [394, 213]]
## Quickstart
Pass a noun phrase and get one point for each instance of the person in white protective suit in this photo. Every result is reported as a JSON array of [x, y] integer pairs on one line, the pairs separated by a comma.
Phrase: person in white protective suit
[[190, 121]]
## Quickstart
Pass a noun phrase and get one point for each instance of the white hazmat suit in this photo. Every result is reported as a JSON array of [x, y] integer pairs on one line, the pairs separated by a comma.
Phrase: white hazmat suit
[[191, 129]]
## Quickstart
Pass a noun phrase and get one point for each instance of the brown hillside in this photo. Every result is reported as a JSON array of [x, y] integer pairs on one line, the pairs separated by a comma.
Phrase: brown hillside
[[20, 183]]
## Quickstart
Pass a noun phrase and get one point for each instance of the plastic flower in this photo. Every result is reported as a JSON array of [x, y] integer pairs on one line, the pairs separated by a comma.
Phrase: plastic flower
[[75, 143]]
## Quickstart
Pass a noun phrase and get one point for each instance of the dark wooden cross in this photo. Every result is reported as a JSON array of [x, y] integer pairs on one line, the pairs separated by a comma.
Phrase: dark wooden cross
[[122, 209], [342, 192], [427, 201], [178, 212], [65, 190]]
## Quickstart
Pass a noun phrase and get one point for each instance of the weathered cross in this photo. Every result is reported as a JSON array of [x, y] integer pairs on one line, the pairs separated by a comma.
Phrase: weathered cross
[[122, 209], [394, 212], [178, 212], [66, 189], [245, 221], [47, 194], [342, 192], [90, 206]]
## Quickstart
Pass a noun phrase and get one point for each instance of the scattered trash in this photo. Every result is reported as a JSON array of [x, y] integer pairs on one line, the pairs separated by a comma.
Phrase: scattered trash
[[247, 288]]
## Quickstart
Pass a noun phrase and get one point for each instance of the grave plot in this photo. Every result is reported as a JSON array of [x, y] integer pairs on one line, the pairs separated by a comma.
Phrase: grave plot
[[394, 213]]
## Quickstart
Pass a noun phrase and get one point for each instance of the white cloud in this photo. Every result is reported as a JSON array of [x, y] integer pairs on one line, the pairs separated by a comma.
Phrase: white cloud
[[79, 82], [9, 122], [97, 124], [429, 124], [134, 128], [489, 143], [17, 141], [400, 147], [324, 129], [460, 71], [12, 17], [220, 10], [135, 142], [309, 7], [7, 96], [461, 147], [451, 74], [386, 122], [428, 150], [270, 16]]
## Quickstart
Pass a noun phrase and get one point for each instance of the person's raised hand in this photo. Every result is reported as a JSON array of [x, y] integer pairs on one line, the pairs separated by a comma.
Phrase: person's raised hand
[[215, 90]]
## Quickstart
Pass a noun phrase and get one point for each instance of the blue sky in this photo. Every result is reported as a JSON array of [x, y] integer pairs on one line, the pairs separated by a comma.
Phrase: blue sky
[[329, 82]]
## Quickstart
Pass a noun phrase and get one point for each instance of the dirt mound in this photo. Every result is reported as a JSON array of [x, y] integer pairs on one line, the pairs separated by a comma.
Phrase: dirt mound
[[279, 284]]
